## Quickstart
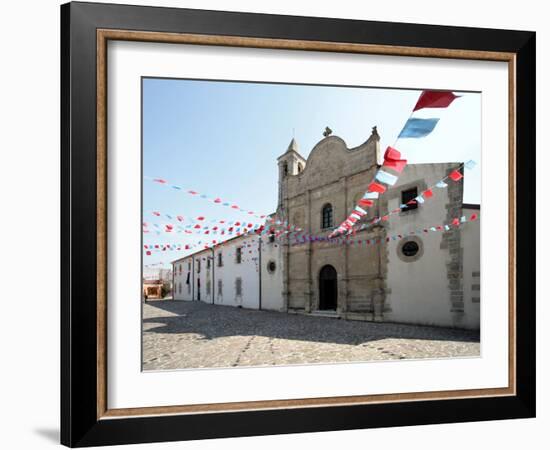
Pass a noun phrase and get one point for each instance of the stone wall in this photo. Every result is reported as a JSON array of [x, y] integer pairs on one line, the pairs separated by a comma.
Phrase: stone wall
[[337, 175]]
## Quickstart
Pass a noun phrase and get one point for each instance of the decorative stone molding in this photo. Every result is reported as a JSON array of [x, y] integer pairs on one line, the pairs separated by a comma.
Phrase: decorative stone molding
[[452, 241]]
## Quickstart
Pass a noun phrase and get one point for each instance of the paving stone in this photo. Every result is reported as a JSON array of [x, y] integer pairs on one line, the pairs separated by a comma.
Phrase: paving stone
[[183, 335]]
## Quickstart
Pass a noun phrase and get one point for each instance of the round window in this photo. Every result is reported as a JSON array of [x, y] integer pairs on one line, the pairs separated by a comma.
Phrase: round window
[[271, 266], [410, 248]]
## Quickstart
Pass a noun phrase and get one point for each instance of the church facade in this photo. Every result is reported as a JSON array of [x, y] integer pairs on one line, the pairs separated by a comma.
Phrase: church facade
[[422, 278]]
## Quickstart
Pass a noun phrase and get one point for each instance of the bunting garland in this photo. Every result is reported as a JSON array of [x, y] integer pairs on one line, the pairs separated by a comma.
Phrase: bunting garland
[[456, 222], [251, 246], [248, 246], [427, 194], [386, 176], [220, 226], [277, 228], [216, 200], [199, 225], [393, 165]]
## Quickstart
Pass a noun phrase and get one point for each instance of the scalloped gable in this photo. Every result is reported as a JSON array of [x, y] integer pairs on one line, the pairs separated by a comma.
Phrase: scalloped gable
[[331, 159]]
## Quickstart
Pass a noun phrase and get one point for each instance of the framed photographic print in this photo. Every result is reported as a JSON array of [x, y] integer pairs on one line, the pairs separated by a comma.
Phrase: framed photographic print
[[277, 224]]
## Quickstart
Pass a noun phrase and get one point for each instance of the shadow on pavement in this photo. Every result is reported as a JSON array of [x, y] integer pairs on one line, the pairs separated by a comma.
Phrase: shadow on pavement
[[215, 321]]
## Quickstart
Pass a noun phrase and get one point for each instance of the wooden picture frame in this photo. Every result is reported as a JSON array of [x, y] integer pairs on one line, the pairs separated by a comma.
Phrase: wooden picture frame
[[85, 416]]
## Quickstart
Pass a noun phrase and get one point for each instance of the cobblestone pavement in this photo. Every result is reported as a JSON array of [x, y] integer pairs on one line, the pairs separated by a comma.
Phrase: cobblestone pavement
[[178, 334]]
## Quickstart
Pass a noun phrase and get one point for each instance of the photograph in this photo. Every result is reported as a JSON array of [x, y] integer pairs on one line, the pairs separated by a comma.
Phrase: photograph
[[292, 222], [297, 224]]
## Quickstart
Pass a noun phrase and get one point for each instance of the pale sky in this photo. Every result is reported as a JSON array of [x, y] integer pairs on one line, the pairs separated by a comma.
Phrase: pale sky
[[223, 138]]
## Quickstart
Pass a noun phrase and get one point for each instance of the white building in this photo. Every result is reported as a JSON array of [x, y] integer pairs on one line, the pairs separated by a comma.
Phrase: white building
[[229, 274]]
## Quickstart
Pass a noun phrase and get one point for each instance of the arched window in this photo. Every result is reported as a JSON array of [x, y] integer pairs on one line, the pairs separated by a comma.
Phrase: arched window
[[300, 167], [326, 216], [285, 169]]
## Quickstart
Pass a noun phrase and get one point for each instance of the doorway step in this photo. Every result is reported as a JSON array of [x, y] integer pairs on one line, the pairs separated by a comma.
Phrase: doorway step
[[325, 313]]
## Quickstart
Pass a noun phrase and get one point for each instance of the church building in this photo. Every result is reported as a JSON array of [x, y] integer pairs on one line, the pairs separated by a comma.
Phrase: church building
[[430, 278]]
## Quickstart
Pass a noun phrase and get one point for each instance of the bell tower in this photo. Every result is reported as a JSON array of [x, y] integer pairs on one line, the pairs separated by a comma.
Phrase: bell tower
[[290, 163]]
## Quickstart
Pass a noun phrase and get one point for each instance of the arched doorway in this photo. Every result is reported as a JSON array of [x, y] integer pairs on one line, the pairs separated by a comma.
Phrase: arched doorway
[[328, 288]]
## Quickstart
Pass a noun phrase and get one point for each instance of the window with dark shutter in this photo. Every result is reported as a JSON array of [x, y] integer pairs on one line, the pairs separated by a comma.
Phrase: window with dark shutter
[[406, 197], [238, 287], [239, 255]]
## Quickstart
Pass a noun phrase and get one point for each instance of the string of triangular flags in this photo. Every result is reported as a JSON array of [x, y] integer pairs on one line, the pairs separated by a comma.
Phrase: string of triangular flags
[[414, 128], [167, 247], [202, 221], [150, 249], [262, 231], [199, 226], [345, 239], [454, 176], [216, 200], [393, 165], [223, 227], [171, 246]]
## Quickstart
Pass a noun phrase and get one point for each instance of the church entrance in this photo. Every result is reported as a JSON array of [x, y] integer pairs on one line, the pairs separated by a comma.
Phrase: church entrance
[[328, 288]]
